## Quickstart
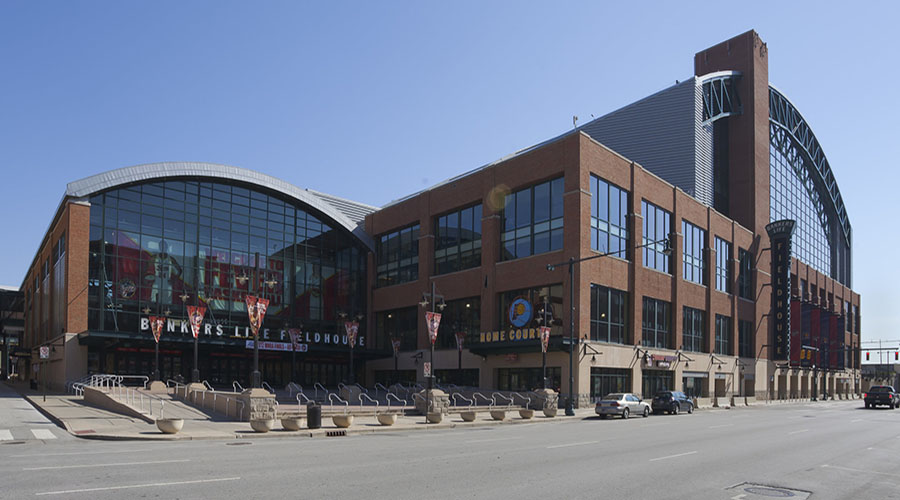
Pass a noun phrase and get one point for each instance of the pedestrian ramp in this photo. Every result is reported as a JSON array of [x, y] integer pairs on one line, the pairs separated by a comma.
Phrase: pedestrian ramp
[[178, 408]]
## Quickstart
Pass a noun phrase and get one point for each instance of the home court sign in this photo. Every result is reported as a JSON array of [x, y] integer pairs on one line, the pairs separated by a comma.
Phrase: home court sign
[[780, 233]]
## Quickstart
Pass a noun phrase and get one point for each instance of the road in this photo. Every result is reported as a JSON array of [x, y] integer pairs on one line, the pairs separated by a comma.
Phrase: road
[[832, 450]]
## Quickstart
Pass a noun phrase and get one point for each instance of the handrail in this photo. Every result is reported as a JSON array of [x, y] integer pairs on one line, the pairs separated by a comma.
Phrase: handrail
[[300, 403], [361, 388], [379, 385], [496, 395], [136, 399], [341, 386], [476, 395], [208, 386], [175, 383], [392, 395], [237, 386], [458, 395], [318, 386], [228, 399], [268, 387], [527, 399], [335, 396], [416, 396], [364, 395], [291, 387]]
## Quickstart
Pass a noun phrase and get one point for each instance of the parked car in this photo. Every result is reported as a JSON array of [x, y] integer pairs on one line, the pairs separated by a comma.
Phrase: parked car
[[881, 395], [672, 402], [622, 403]]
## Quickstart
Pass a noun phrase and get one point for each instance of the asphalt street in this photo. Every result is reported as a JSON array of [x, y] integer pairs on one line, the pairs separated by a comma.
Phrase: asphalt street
[[816, 450]]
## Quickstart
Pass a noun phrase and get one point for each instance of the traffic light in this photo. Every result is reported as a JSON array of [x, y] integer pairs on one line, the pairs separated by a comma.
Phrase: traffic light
[[896, 355], [867, 355]]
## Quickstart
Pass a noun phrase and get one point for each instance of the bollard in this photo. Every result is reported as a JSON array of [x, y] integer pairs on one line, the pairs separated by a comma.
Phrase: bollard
[[313, 415]]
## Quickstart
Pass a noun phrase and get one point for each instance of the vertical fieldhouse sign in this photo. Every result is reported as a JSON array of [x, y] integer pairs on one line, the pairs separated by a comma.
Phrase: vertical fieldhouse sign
[[780, 233]]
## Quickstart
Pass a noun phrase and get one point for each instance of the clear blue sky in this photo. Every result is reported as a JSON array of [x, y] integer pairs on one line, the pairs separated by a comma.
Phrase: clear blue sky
[[376, 100]]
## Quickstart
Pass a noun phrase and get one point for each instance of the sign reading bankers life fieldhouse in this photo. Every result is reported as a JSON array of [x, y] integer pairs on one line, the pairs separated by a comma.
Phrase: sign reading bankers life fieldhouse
[[780, 233]]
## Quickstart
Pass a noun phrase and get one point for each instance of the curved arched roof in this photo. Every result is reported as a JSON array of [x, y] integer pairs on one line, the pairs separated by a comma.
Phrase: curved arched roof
[[346, 213]]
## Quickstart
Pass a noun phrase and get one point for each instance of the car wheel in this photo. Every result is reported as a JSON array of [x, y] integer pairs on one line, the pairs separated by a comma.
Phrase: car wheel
[[625, 413], [867, 406], [690, 409], [675, 410], [646, 412]]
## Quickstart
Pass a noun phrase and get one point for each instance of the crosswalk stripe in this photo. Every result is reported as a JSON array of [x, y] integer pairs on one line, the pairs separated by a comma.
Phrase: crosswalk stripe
[[43, 434], [5, 435]]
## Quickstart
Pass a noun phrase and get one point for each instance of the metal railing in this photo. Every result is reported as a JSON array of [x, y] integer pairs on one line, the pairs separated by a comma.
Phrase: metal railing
[[495, 396], [476, 395], [292, 388], [379, 386], [362, 396], [300, 398], [318, 386], [526, 399], [228, 400], [332, 396], [268, 387], [144, 403], [457, 396], [391, 395], [237, 386], [208, 386]]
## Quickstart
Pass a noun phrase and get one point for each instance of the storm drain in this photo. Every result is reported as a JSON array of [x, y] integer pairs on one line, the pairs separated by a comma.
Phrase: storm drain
[[14, 442], [237, 443], [752, 490], [336, 433]]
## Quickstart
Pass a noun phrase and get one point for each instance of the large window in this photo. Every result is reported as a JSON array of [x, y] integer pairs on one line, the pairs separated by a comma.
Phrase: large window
[[657, 227], [398, 256], [457, 243], [159, 246], [462, 315], [527, 379], [533, 220], [59, 287], [694, 240], [657, 329], [723, 268], [656, 381], [609, 381], [609, 210], [608, 314], [745, 275], [745, 339], [398, 323], [723, 335], [693, 328]]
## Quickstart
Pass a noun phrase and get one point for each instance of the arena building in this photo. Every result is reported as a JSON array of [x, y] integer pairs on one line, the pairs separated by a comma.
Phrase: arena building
[[694, 240]]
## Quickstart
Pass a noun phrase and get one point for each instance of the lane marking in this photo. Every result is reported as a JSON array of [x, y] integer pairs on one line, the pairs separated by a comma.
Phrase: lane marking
[[720, 426], [571, 444], [798, 432], [673, 456], [80, 453], [860, 470], [132, 486], [5, 435], [490, 440], [43, 434], [120, 464], [855, 421]]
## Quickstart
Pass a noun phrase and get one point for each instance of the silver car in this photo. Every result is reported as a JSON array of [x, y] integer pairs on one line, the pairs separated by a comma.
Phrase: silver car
[[622, 403]]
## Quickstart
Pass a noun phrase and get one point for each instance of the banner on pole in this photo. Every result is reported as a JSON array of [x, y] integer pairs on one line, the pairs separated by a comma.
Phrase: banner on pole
[[395, 343], [545, 338], [433, 320], [352, 328], [460, 339], [295, 334], [256, 311], [195, 315], [156, 326]]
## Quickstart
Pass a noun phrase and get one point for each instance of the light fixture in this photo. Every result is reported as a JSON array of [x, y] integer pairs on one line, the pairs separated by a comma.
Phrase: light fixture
[[146, 310], [593, 358], [242, 279], [184, 297]]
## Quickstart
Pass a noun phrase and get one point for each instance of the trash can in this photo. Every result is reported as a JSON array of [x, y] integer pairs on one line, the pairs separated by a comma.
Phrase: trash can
[[313, 415]]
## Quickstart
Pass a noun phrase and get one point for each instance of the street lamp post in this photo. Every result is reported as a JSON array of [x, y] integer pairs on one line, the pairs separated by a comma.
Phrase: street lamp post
[[545, 324], [667, 250], [432, 299]]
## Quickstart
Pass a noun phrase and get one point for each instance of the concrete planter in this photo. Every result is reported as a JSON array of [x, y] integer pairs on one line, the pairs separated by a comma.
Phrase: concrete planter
[[169, 425], [292, 423], [342, 421], [526, 413], [435, 417], [262, 424], [498, 414], [467, 416], [387, 418], [550, 412]]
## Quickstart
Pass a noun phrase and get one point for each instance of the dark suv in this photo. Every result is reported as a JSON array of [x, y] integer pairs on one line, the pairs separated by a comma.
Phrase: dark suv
[[881, 395], [672, 402]]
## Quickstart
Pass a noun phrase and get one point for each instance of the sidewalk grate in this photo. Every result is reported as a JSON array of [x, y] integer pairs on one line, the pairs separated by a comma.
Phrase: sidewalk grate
[[769, 491], [336, 433]]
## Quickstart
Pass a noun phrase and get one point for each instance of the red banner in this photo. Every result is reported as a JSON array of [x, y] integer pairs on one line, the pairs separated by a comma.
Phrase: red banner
[[433, 320], [460, 340], [256, 311], [545, 338], [352, 328], [195, 315], [295, 336], [798, 354], [156, 326], [395, 343]]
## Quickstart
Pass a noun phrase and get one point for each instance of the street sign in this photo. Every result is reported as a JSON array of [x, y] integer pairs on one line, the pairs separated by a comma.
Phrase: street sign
[[427, 369], [45, 352]]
